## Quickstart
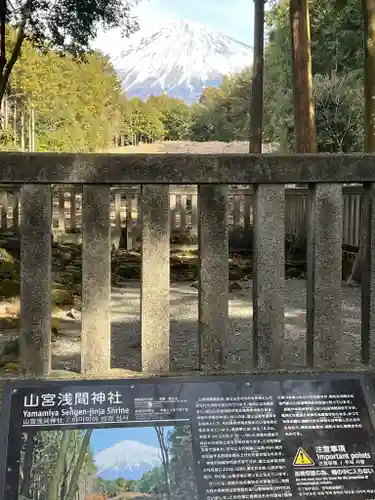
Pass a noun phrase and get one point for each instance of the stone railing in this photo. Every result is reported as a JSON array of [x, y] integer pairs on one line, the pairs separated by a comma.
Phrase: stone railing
[[268, 175]]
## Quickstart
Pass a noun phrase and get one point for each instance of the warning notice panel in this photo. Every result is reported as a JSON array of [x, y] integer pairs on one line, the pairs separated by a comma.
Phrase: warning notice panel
[[329, 440], [229, 438], [309, 438]]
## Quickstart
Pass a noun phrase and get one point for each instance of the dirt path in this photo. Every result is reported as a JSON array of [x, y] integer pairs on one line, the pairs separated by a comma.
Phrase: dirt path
[[238, 147]]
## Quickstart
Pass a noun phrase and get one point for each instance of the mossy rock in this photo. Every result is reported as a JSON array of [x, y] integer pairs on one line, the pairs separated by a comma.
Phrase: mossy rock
[[56, 285], [10, 350], [5, 256], [179, 264], [129, 271], [75, 272], [9, 268], [182, 238], [9, 323], [65, 278], [60, 279], [56, 309], [11, 367], [65, 257], [9, 288], [188, 275], [11, 244], [55, 327], [62, 297]]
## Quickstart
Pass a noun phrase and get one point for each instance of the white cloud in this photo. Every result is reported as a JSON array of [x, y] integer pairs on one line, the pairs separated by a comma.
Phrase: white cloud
[[231, 17], [151, 15]]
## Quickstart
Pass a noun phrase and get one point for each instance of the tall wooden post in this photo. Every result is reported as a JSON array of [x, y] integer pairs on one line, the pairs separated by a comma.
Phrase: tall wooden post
[[303, 105], [256, 115], [368, 9], [360, 269]]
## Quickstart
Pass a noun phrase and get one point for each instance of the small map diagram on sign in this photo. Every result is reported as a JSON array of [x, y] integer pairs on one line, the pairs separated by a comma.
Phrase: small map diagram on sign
[[302, 459]]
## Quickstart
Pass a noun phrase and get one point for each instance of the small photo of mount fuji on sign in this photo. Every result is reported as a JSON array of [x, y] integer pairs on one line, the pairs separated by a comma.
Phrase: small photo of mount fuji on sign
[[136, 463]]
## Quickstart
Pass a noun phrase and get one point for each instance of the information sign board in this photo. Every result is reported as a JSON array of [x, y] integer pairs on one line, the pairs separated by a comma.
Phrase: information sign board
[[216, 438]]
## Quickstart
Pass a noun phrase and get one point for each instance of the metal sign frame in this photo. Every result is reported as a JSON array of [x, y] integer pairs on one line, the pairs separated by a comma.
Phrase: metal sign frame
[[191, 390]]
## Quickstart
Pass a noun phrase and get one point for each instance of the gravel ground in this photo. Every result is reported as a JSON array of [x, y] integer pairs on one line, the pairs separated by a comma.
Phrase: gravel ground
[[184, 330]]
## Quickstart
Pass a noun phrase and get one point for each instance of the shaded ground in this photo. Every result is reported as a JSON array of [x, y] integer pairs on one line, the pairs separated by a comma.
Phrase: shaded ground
[[126, 351], [184, 330]]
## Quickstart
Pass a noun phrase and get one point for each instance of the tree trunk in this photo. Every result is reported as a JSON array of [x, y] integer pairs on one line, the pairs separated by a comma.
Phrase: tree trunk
[[3, 10], [303, 105], [64, 482], [256, 113], [164, 457], [368, 12], [368, 8], [27, 464], [53, 491], [77, 469], [7, 69], [3, 14]]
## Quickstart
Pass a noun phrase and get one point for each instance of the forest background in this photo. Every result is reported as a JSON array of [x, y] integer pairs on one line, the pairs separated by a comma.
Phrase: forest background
[[79, 105]]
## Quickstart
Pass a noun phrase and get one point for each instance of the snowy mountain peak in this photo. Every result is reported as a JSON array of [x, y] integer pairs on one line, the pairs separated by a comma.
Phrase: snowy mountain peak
[[126, 457], [180, 60]]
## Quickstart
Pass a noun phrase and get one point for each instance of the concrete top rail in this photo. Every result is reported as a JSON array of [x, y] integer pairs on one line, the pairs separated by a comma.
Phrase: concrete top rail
[[57, 168]]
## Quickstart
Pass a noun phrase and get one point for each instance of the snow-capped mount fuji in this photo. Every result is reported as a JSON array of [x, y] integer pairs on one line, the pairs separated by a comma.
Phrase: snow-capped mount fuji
[[180, 60], [128, 459]]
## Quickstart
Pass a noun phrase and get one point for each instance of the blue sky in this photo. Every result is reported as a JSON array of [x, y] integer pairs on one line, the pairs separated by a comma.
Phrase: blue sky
[[234, 18], [105, 438]]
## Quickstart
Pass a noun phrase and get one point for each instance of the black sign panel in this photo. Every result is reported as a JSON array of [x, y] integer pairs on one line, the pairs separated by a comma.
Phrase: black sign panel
[[217, 438]]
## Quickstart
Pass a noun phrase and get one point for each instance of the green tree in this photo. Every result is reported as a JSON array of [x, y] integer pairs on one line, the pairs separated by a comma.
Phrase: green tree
[[175, 116], [124, 485], [223, 114], [152, 482], [73, 483], [143, 121], [182, 474], [339, 113], [81, 116], [68, 26], [337, 53]]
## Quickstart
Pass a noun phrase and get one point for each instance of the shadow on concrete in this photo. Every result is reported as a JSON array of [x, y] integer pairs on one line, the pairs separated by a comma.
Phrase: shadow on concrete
[[126, 327]]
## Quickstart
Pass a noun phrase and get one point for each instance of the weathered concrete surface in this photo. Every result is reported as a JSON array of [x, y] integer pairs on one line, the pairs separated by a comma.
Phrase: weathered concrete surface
[[324, 261], [269, 265], [36, 221], [96, 279], [73, 168], [155, 279], [213, 282]]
